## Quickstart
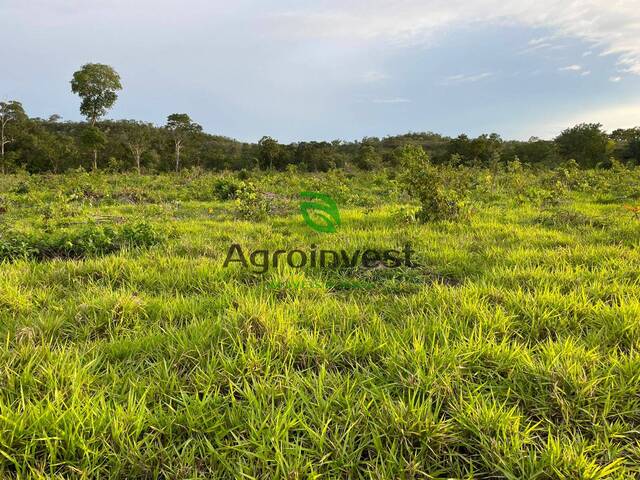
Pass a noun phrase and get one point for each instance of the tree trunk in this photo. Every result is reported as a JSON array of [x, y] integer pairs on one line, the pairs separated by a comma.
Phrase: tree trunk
[[95, 150], [2, 143], [138, 162], [178, 156]]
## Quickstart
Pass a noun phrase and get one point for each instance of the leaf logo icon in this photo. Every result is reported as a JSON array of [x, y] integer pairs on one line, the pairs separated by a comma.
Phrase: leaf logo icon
[[324, 209]]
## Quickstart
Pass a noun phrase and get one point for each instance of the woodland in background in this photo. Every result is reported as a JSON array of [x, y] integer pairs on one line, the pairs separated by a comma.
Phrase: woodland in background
[[39, 145], [36, 145]]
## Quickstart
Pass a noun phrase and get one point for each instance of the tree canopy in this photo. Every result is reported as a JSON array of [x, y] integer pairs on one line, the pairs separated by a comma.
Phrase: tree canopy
[[587, 143], [97, 85]]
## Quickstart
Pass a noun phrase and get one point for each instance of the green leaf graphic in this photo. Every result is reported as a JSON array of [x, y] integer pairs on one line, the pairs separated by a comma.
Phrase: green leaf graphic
[[324, 208]]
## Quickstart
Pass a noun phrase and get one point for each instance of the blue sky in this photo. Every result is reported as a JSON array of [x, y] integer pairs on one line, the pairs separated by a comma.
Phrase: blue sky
[[301, 70]]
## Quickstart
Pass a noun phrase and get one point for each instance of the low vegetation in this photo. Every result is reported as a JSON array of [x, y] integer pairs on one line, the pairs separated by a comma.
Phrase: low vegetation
[[511, 350]]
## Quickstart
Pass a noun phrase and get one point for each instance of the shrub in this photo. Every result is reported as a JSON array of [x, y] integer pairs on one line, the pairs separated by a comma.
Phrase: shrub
[[226, 188], [243, 174], [515, 166], [84, 192], [250, 203], [141, 234], [22, 188], [16, 246], [424, 181], [404, 215], [555, 196], [89, 241], [114, 165], [133, 194], [568, 174]]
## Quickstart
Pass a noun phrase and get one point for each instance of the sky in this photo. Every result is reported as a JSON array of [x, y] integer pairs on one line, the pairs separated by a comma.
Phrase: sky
[[335, 69]]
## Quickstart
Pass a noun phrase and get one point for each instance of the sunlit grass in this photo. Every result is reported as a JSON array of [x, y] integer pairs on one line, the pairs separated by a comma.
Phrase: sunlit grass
[[510, 351]]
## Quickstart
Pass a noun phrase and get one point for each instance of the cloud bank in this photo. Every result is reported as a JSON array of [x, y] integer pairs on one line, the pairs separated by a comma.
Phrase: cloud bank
[[300, 70], [612, 27]]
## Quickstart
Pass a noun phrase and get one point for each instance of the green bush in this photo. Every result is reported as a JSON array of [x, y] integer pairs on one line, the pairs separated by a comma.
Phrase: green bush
[[250, 203], [89, 241], [22, 188], [423, 181], [226, 188], [16, 246], [243, 174]]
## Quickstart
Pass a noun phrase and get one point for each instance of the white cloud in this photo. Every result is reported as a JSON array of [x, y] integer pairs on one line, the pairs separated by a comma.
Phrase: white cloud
[[542, 43], [536, 47], [615, 79], [587, 53], [577, 69], [538, 41], [612, 26], [391, 100], [571, 68], [461, 78]]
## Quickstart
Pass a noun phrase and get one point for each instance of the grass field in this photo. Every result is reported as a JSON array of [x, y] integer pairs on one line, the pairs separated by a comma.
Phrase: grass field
[[128, 351]]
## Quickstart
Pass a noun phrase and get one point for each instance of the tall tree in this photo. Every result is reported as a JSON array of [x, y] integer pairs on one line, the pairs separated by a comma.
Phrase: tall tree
[[367, 157], [137, 140], [10, 112], [93, 139], [586, 143], [477, 150], [181, 127], [269, 152], [97, 85], [628, 143]]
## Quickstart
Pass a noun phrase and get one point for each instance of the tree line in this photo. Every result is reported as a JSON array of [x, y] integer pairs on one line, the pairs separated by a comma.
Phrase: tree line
[[50, 145]]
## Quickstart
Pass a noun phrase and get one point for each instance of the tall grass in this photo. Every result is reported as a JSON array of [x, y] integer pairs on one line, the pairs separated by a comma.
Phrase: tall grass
[[511, 350]]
